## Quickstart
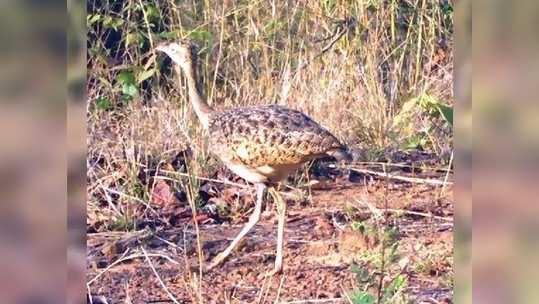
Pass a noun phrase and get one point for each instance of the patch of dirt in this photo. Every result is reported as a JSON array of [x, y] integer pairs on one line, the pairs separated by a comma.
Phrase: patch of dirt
[[320, 246]]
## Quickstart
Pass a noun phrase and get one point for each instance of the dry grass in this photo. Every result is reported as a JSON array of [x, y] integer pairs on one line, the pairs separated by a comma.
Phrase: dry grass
[[376, 73]]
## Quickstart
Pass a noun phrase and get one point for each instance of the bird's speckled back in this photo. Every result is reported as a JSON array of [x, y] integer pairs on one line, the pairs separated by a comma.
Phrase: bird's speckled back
[[268, 135]]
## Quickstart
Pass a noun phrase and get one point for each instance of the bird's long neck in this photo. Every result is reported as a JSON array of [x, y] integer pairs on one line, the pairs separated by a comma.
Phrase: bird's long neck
[[202, 109]]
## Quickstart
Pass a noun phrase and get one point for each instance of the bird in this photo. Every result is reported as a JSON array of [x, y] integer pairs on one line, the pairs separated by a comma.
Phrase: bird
[[263, 144]]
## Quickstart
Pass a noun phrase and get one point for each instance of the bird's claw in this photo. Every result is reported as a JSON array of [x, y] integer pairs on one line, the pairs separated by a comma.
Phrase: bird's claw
[[274, 272], [205, 268]]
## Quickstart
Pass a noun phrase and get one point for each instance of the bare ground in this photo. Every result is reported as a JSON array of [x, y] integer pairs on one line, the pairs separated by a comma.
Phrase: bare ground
[[320, 246]]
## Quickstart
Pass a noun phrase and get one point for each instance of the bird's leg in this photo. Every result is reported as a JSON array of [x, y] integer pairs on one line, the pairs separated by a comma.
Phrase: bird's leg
[[281, 213], [253, 219]]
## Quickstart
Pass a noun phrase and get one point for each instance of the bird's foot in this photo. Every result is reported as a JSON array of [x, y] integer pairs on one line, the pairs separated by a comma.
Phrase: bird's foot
[[207, 267], [204, 268], [277, 270], [217, 260]]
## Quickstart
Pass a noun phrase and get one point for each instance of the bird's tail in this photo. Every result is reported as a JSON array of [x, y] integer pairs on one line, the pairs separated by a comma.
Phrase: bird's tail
[[341, 154]]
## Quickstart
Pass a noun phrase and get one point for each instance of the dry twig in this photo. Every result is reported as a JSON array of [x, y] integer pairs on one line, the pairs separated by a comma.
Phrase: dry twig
[[415, 180], [170, 295]]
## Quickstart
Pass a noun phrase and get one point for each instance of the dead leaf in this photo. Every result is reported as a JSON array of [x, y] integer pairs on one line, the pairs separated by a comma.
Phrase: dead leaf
[[162, 195], [201, 218]]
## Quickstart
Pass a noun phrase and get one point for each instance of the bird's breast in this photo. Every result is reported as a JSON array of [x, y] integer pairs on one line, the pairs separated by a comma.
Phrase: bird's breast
[[262, 174], [277, 173]]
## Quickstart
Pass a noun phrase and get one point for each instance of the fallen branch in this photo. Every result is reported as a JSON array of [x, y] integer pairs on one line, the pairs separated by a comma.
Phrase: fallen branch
[[118, 261], [378, 211], [124, 258], [448, 219], [401, 165], [415, 180]]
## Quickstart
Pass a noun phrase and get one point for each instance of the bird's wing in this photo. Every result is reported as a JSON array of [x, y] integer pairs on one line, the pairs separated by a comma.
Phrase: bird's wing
[[268, 135]]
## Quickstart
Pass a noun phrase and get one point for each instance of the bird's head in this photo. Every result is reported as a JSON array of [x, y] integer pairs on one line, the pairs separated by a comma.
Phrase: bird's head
[[181, 52]]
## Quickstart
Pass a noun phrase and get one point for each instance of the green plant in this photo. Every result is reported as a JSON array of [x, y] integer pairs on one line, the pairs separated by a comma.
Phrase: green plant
[[378, 284], [439, 119], [391, 292], [121, 223], [126, 81]]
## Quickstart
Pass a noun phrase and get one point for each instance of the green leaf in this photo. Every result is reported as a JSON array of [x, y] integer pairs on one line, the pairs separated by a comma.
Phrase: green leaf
[[362, 273], [433, 107], [125, 77], [354, 268], [145, 75], [202, 36], [411, 143], [169, 35], [447, 113], [114, 23], [103, 103], [91, 19], [107, 21], [117, 23], [358, 226], [129, 89], [134, 38], [391, 236], [361, 297], [392, 256], [397, 284], [447, 8], [152, 12]]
